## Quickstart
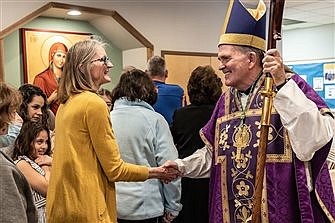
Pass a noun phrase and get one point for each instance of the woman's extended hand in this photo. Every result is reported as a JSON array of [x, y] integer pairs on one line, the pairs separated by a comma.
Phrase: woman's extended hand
[[166, 173]]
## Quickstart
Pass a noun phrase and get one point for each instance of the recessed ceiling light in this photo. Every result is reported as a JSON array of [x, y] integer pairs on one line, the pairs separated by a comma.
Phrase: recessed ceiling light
[[74, 12]]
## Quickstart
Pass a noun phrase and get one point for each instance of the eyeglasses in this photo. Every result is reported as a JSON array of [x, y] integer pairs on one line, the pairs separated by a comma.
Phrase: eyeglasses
[[104, 59]]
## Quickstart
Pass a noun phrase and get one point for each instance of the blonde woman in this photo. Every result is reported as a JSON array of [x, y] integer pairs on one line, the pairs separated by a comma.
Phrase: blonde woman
[[86, 160]]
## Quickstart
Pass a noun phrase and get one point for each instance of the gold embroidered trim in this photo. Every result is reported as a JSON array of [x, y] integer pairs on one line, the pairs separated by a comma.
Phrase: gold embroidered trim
[[227, 101], [286, 157], [242, 40], [323, 207], [216, 142], [224, 192], [224, 28], [204, 139]]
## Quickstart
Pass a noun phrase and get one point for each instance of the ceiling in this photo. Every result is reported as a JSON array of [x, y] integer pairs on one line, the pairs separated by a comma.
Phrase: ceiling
[[309, 12], [304, 13], [297, 14], [115, 32]]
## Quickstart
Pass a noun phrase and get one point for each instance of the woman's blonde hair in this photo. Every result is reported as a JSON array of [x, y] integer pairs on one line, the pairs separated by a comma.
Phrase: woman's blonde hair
[[10, 100], [76, 75]]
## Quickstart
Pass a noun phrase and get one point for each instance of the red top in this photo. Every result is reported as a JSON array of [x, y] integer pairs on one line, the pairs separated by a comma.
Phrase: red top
[[48, 83]]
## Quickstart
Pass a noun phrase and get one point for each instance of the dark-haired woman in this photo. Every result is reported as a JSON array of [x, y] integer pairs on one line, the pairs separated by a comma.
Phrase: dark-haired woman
[[204, 89], [34, 104], [33, 108], [144, 138]]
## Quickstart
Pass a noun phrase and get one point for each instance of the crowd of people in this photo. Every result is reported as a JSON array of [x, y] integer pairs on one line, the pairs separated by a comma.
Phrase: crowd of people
[[73, 151]]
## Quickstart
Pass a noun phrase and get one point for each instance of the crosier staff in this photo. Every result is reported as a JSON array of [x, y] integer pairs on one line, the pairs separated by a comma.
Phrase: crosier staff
[[274, 34]]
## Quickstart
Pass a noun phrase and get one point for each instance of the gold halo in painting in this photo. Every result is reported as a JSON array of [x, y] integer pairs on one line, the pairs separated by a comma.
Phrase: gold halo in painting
[[44, 52]]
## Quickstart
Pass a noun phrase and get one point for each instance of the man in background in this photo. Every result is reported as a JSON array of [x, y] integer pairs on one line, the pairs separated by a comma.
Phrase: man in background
[[170, 96]]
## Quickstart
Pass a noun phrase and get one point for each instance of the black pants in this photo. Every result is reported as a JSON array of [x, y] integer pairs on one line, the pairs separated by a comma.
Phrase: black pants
[[151, 220]]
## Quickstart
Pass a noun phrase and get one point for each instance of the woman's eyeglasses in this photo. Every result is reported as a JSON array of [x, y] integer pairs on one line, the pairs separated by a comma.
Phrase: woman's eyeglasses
[[104, 59]]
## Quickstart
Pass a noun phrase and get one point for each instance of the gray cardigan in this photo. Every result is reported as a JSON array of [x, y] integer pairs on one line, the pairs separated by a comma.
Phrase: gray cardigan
[[17, 204]]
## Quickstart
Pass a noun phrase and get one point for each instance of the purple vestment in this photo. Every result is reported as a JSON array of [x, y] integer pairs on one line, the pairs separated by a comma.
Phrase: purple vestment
[[286, 198]]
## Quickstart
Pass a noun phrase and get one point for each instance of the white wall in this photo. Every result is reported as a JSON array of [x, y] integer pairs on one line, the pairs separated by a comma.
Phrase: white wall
[[183, 26], [186, 25], [135, 57], [315, 43]]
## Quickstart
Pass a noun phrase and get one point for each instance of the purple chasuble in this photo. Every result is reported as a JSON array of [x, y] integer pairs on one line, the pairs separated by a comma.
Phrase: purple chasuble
[[235, 147]]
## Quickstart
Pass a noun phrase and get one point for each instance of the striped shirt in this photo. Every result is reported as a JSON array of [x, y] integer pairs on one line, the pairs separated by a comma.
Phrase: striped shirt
[[39, 200]]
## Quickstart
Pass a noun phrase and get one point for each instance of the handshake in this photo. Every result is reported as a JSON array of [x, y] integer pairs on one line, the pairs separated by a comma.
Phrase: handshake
[[166, 173]]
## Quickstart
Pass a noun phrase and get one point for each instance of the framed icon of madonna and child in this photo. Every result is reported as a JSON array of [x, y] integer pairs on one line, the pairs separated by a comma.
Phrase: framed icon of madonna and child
[[44, 49]]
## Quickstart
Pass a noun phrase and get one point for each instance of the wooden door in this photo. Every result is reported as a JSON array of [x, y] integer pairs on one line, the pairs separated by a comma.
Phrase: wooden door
[[181, 64]]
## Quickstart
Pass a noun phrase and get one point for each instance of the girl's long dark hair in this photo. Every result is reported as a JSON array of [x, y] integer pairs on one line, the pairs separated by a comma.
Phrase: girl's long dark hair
[[28, 92], [28, 133]]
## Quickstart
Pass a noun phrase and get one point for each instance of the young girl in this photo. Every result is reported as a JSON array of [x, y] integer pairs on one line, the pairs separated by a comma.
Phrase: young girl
[[32, 157], [33, 108], [17, 203]]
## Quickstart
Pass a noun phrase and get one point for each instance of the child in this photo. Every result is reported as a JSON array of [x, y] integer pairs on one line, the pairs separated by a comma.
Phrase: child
[[33, 108], [16, 199], [10, 123], [32, 157]]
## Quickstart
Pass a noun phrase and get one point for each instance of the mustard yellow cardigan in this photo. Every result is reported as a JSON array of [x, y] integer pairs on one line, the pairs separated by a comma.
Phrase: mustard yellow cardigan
[[86, 163]]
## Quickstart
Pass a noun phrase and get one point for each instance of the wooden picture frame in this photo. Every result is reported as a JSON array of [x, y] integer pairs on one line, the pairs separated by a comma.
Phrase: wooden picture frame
[[36, 44]]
